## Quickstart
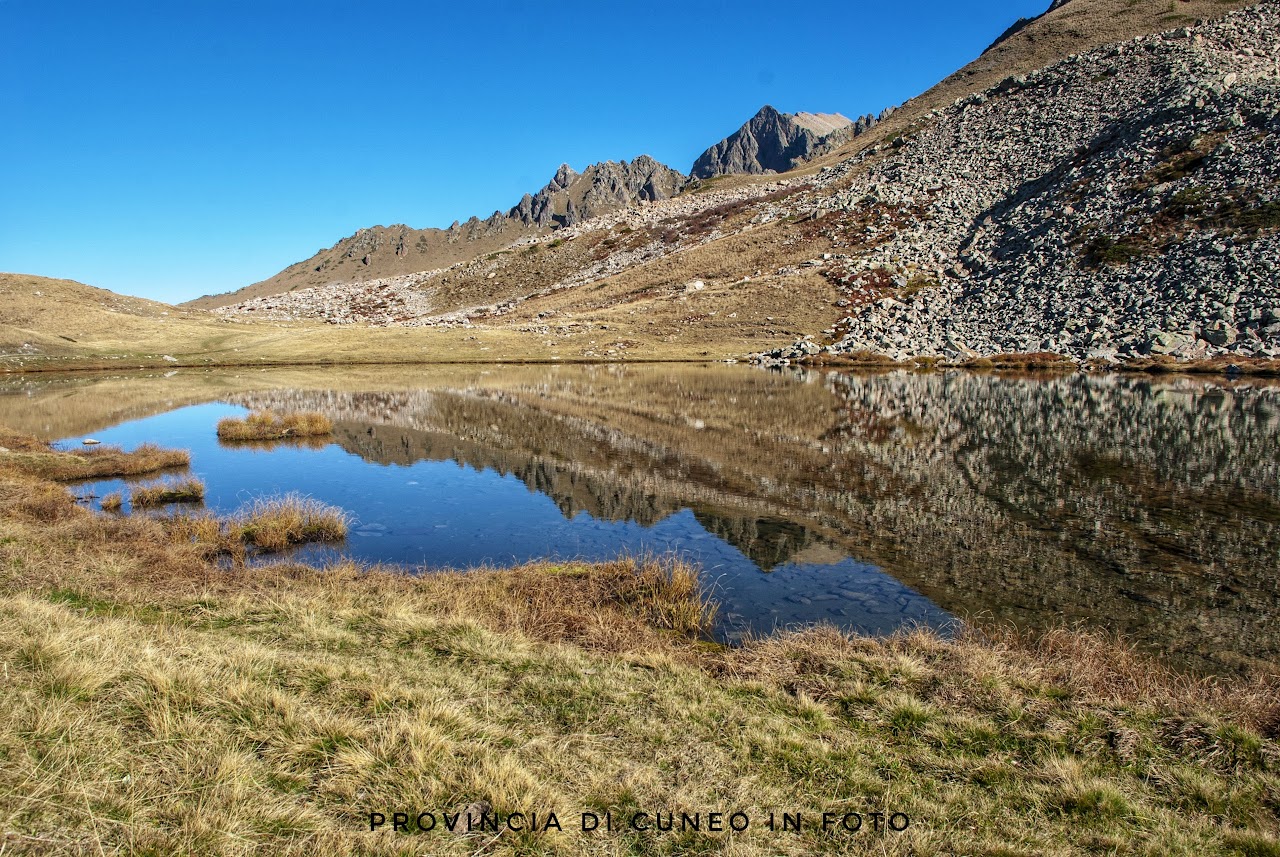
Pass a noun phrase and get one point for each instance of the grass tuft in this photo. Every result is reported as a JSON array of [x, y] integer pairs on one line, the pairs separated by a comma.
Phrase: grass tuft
[[188, 490], [265, 425], [668, 593], [273, 524]]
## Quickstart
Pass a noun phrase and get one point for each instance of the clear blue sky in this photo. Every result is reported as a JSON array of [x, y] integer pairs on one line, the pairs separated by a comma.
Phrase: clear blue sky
[[170, 149]]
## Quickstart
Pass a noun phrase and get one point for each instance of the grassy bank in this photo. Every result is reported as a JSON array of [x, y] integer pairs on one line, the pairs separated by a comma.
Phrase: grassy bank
[[266, 524], [26, 455], [156, 704]]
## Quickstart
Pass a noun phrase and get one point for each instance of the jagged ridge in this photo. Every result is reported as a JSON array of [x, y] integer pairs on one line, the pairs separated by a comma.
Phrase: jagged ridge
[[773, 142]]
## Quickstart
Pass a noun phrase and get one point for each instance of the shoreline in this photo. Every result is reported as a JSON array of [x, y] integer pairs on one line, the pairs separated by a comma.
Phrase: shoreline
[[274, 708], [1040, 362]]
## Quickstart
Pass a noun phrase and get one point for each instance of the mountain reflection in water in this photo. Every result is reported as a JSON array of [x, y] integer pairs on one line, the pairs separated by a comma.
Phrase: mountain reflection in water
[[1147, 507]]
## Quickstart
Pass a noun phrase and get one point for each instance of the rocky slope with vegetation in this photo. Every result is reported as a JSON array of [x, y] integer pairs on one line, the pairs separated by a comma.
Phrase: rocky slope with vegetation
[[1119, 203], [1116, 204], [1085, 187]]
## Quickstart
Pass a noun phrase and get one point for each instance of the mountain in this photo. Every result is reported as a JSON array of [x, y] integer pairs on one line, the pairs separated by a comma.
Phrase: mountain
[[1117, 203], [773, 142], [769, 142], [1121, 203], [391, 251], [1102, 184], [382, 252], [572, 197]]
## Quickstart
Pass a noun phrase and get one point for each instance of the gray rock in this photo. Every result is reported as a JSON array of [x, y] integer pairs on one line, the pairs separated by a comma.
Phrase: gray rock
[[571, 197], [1219, 333], [776, 142], [1166, 342]]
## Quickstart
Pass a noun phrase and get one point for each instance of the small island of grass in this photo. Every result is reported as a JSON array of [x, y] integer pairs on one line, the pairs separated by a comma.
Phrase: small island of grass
[[39, 459], [188, 490], [265, 425]]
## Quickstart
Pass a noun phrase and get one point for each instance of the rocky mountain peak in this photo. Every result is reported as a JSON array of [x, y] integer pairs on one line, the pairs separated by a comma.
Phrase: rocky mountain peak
[[563, 177], [571, 197], [774, 142]]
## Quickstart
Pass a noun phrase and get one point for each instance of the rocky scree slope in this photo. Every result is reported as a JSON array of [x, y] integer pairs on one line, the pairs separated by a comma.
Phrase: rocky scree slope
[[1119, 203], [1077, 26]]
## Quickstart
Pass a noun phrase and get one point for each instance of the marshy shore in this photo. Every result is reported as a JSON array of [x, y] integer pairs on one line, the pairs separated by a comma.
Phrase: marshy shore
[[158, 702]]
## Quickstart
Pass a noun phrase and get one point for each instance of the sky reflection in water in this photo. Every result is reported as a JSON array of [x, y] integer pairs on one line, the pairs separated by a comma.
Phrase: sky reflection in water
[[446, 514]]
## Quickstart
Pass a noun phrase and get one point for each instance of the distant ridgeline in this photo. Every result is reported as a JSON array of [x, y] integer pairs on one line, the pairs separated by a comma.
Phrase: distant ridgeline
[[769, 142]]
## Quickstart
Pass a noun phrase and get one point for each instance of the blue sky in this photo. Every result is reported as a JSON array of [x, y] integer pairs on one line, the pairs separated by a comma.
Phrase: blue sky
[[174, 149]]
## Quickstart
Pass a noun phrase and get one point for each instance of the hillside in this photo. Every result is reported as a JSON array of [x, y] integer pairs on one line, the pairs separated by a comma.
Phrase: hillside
[[1067, 27], [1116, 204], [381, 251], [43, 316], [1120, 203]]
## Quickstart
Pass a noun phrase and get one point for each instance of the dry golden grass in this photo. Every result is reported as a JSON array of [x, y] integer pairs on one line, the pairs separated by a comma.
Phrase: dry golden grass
[[205, 529], [314, 443], [156, 704], [87, 332], [188, 490], [267, 525], [113, 502], [275, 523], [98, 462], [264, 425]]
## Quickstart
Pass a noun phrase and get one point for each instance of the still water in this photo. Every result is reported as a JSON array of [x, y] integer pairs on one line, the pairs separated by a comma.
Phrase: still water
[[1148, 507]]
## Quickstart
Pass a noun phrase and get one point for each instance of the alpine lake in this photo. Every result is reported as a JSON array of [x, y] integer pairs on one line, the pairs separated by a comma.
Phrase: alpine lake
[[1143, 506]]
